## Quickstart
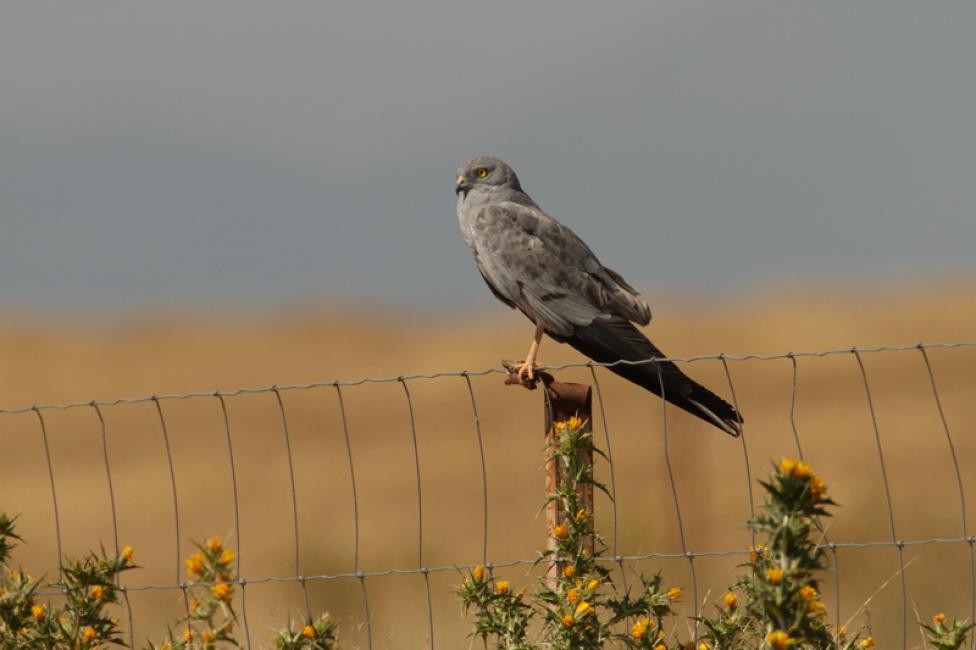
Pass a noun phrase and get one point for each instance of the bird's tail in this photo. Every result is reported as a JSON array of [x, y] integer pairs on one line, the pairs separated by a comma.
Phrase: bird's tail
[[616, 339]]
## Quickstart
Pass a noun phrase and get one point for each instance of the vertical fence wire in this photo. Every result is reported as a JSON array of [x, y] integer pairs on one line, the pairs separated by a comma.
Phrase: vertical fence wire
[[355, 514], [887, 492], [164, 430], [115, 518], [793, 388], [742, 439], [54, 490], [794, 383], [108, 476], [613, 481], [677, 504], [962, 492], [294, 501], [420, 514], [241, 580], [484, 471]]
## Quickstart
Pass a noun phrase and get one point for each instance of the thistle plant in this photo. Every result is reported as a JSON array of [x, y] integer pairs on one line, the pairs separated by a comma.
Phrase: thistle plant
[[572, 608], [317, 634], [88, 591], [210, 616], [946, 636], [88, 587], [775, 604]]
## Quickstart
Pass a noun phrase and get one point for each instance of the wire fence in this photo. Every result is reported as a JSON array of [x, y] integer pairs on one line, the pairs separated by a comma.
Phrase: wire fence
[[367, 580]]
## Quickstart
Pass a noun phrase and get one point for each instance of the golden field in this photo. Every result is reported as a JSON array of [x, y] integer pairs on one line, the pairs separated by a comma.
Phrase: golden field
[[48, 360]]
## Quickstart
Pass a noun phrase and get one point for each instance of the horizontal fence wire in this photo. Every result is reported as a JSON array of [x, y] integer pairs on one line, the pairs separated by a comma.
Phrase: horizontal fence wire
[[485, 371], [422, 569], [507, 564]]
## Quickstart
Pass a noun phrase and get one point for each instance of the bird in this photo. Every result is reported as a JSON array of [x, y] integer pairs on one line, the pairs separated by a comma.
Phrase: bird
[[534, 263]]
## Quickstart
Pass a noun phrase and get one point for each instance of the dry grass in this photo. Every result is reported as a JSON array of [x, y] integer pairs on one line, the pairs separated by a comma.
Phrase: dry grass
[[48, 361]]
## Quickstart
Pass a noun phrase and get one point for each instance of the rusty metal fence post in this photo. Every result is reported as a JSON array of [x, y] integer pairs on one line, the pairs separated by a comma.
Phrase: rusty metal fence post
[[563, 401]]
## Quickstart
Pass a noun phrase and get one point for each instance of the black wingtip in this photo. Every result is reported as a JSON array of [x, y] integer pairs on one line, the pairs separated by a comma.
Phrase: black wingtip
[[731, 426]]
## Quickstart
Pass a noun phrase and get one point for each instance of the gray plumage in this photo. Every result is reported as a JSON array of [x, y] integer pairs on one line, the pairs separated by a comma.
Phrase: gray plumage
[[536, 264]]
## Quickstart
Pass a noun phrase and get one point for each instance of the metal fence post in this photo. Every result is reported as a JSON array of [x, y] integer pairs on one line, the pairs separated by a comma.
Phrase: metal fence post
[[563, 401]]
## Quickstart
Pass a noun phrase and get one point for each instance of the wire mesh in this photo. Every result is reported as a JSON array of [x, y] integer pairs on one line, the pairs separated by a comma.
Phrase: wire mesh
[[484, 414]]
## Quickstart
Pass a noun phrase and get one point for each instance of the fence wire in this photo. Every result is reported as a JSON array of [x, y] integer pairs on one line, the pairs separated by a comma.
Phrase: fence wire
[[422, 568]]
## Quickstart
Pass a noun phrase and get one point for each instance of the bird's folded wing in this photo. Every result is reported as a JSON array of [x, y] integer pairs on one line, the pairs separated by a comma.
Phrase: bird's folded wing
[[534, 262]]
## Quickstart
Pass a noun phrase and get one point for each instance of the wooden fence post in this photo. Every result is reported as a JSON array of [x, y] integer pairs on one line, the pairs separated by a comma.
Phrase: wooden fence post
[[563, 401]]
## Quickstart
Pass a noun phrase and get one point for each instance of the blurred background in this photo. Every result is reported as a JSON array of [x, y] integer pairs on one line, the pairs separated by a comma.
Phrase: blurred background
[[211, 196]]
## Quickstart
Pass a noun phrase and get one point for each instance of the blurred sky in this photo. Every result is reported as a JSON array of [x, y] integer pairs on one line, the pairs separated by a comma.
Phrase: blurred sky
[[255, 152]]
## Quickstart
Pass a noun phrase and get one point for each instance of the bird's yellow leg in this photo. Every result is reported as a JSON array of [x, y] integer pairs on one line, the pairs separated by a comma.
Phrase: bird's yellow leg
[[526, 369]]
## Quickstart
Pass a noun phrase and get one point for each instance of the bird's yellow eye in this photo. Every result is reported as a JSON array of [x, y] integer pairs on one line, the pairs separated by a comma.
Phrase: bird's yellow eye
[[482, 172]]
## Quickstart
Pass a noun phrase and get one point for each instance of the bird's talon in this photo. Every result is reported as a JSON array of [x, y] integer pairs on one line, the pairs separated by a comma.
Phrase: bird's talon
[[526, 373]]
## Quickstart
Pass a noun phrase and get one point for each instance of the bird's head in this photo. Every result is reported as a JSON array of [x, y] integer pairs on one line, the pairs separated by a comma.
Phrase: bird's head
[[485, 172]]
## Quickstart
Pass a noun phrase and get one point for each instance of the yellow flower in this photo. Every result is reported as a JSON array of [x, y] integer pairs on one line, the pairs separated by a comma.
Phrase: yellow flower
[[478, 573], [560, 531], [502, 587], [213, 544], [841, 632], [572, 595], [208, 636], [127, 553], [774, 575], [221, 591], [660, 646], [593, 584], [704, 646], [227, 557], [194, 564], [816, 607], [674, 593], [89, 634], [568, 620], [779, 640], [569, 571], [574, 423], [96, 592], [818, 489], [808, 592], [165, 646], [188, 634], [37, 611], [867, 642], [308, 632], [581, 515], [730, 600], [639, 629], [583, 608], [756, 552], [938, 619]]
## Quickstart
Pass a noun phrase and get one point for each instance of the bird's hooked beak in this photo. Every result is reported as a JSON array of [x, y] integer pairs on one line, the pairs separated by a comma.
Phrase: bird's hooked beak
[[461, 187]]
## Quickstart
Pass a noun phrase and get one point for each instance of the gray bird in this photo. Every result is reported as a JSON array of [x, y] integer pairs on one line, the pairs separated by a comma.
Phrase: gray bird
[[533, 262]]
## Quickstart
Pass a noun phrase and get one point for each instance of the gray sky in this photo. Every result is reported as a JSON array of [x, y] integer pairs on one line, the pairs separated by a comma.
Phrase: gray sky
[[231, 151]]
